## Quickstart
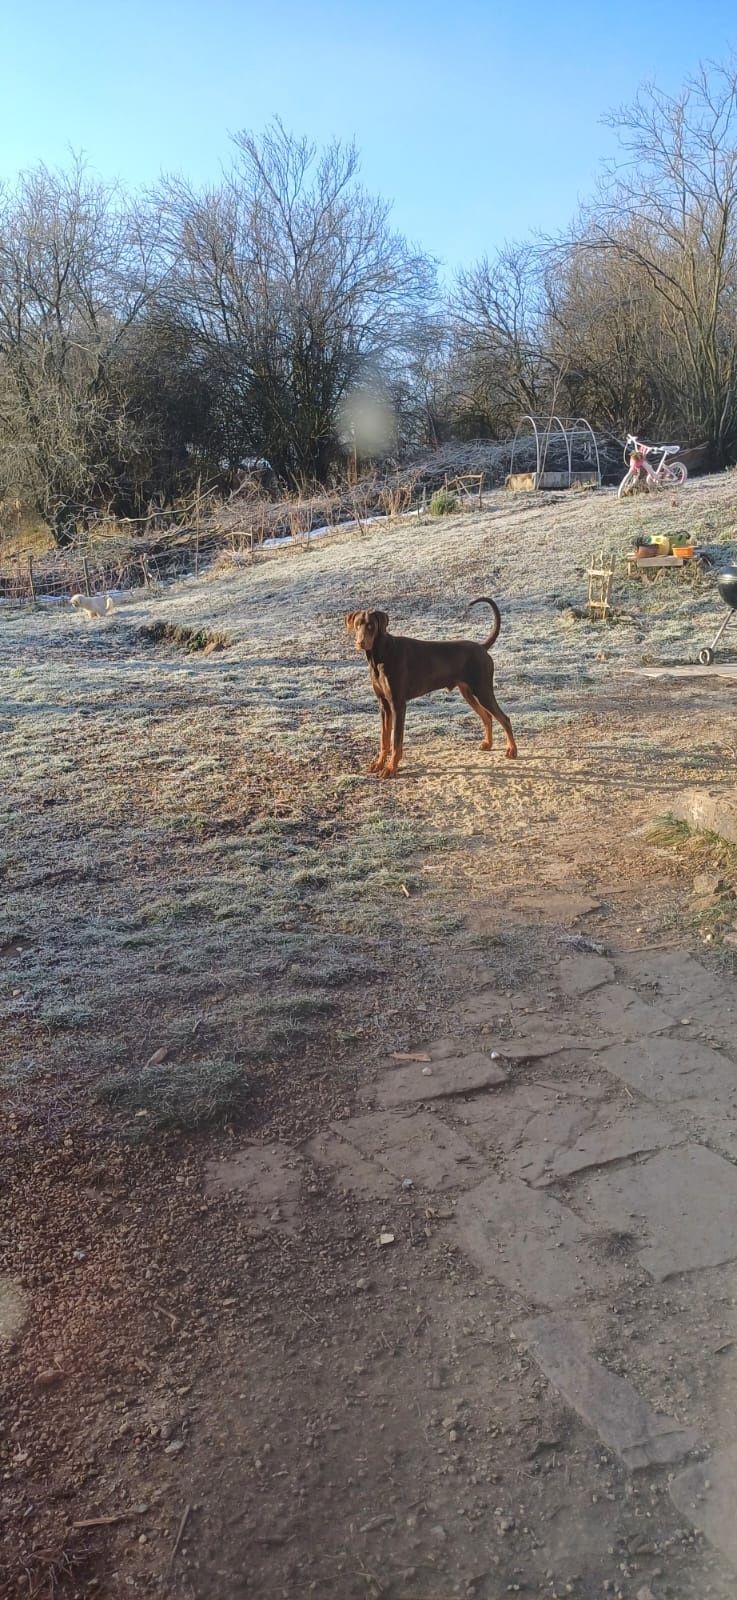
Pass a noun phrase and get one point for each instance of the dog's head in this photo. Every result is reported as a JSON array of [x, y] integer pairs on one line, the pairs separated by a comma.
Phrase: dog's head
[[366, 627], [77, 600]]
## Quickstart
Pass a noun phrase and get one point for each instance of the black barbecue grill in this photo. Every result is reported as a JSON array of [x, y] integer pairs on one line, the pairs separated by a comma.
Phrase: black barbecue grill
[[727, 586]]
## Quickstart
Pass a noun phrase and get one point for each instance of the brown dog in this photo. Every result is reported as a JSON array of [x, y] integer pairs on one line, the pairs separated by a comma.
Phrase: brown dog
[[403, 669]]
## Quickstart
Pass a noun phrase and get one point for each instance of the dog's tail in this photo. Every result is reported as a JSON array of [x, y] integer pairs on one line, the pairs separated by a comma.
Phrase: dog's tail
[[484, 600]]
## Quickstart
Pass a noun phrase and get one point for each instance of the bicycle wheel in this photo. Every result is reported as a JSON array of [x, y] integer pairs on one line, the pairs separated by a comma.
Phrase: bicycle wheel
[[677, 474]]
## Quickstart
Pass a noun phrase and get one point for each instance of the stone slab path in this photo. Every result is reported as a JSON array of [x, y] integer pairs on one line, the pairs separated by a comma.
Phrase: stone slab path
[[610, 1405], [719, 669], [705, 1495], [579, 1147]]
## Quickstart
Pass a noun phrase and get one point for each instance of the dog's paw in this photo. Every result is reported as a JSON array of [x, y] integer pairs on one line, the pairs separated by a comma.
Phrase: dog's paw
[[511, 755]]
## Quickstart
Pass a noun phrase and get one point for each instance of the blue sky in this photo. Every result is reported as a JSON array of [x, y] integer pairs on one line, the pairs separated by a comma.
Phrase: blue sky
[[479, 121]]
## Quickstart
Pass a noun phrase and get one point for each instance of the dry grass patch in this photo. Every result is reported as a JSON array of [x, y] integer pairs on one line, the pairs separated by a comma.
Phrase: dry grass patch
[[186, 1096], [713, 862]]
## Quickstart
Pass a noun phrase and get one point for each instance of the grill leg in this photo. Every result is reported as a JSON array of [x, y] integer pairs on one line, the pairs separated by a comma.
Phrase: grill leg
[[725, 624]]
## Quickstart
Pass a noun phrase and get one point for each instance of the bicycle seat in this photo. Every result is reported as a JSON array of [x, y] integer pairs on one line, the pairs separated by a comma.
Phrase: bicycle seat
[[667, 449]]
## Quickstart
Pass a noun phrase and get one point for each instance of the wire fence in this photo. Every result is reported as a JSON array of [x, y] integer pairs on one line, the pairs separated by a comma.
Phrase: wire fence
[[122, 554], [89, 570], [119, 555], [102, 567], [112, 560]]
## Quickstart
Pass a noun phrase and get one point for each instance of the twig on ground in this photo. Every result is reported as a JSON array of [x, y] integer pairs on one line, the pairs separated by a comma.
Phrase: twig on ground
[[180, 1535], [104, 1522]]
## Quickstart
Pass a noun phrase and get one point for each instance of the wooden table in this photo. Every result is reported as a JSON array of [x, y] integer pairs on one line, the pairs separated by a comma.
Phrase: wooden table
[[652, 567]]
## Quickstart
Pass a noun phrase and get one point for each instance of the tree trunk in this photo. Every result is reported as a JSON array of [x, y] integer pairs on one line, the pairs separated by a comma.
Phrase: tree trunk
[[63, 524]]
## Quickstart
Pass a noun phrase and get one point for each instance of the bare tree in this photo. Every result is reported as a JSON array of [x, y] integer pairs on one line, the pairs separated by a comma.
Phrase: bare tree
[[499, 326], [173, 411], [423, 385], [77, 267], [668, 211], [602, 324], [297, 287]]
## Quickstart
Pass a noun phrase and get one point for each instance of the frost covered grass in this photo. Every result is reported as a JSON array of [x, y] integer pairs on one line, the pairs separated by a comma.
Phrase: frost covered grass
[[192, 852]]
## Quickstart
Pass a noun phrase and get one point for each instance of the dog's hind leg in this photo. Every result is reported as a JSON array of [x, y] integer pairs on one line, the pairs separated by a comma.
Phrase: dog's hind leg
[[487, 701], [486, 717]]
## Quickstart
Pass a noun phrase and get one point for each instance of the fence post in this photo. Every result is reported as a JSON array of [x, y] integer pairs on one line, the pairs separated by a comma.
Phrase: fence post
[[481, 487], [86, 572], [31, 583], [197, 528]]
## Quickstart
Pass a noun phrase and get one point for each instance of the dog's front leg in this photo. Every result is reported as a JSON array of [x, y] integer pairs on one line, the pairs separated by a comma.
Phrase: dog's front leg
[[397, 720], [380, 761]]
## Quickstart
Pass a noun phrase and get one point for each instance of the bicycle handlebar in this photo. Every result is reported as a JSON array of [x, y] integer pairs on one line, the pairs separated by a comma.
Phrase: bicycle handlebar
[[648, 449]]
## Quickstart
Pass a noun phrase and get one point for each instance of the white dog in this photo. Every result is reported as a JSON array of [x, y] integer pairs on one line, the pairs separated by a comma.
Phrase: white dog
[[94, 605]]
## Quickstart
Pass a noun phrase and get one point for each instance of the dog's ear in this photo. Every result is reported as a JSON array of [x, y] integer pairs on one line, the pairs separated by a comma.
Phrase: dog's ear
[[349, 619], [381, 619]]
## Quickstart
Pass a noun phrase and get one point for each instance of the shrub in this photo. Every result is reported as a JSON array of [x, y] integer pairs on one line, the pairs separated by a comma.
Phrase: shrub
[[443, 503]]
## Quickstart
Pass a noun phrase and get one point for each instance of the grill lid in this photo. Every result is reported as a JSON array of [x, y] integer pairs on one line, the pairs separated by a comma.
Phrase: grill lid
[[727, 586]]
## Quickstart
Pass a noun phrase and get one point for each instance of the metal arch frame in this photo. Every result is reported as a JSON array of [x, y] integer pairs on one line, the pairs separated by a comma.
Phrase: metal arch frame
[[568, 431], [580, 425]]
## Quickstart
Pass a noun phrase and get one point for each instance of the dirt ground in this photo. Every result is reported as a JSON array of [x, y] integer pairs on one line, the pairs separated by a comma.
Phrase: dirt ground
[[261, 1012]]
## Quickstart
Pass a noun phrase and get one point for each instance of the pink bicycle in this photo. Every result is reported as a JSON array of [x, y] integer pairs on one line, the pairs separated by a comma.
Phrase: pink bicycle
[[667, 475]]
